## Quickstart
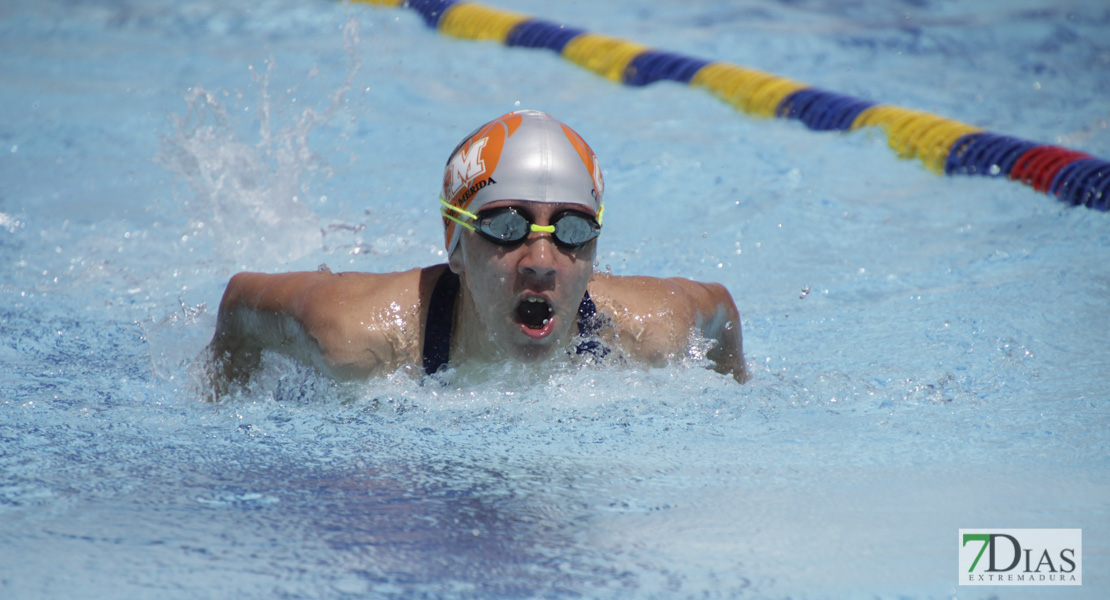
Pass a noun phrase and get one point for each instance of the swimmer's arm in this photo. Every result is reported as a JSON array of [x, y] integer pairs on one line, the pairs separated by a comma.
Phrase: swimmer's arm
[[254, 308], [718, 320], [654, 318], [286, 312]]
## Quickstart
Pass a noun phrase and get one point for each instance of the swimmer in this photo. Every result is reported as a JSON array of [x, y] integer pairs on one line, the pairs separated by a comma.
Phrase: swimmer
[[522, 210]]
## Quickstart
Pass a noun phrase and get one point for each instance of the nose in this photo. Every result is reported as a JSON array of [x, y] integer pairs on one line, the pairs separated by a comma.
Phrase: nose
[[539, 257]]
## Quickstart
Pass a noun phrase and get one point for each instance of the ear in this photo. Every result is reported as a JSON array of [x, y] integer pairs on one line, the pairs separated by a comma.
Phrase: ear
[[455, 260]]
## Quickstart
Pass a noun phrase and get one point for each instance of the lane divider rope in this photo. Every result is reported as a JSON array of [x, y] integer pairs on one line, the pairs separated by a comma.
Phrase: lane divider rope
[[943, 145]]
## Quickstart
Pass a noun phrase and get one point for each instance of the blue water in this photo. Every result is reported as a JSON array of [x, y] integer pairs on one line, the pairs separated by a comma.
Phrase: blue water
[[929, 353]]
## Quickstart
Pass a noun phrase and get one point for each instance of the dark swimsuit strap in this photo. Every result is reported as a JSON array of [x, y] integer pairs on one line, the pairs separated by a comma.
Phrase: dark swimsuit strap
[[589, 324], [441, 313]]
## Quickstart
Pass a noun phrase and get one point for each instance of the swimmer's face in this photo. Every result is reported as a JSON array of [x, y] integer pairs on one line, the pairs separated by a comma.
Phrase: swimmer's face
[[526, 296]]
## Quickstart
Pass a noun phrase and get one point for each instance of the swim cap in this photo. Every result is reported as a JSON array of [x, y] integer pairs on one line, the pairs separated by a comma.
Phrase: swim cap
[[524, 155]]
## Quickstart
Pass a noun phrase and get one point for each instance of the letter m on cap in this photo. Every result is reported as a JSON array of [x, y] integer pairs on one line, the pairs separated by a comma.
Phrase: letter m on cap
[[466, 166]]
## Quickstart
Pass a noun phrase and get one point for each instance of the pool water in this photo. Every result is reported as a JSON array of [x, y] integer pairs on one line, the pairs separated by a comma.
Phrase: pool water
[[929, 352]]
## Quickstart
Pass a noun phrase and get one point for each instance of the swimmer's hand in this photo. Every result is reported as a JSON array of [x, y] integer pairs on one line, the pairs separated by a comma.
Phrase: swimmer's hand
[[224, 368], [727, 357]]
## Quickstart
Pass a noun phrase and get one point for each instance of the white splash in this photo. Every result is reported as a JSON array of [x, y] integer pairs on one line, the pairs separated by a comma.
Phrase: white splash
[[250, 201]]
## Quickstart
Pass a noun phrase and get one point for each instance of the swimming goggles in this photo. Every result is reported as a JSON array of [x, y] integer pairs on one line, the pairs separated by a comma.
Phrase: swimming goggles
[[508, 226]]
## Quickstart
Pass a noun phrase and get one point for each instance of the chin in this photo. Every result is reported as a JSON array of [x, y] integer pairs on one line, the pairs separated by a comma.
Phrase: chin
[[533, 351]]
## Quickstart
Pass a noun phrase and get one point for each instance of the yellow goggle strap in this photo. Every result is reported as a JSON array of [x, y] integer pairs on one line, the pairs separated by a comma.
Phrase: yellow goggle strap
[[450, 207], [473, 217]]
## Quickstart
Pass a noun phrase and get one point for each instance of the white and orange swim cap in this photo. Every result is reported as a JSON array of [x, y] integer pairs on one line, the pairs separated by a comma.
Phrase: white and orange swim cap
[[525, 155]]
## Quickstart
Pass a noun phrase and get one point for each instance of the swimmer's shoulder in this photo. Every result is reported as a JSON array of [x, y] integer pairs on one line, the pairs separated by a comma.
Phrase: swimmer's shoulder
[[370, 323], [292, 292], [652, 317], [362, 323], [658, 292], [641, 294]]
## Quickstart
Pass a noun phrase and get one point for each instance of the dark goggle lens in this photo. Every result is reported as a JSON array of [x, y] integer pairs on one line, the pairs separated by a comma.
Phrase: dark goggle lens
[[504, 227], [575, 229], [507, 227]]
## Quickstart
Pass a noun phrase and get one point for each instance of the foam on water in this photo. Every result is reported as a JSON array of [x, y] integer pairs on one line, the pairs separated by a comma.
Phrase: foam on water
[[927, 351]]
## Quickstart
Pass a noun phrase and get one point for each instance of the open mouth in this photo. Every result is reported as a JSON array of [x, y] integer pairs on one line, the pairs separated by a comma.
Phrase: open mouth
[[534, 316]]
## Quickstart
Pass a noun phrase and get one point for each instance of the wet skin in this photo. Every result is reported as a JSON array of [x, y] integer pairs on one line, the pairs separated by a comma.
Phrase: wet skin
[[498, 280], [358, 325]]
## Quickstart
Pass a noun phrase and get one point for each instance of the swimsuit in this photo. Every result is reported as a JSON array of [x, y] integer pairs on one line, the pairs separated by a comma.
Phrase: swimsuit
[[437, 333]]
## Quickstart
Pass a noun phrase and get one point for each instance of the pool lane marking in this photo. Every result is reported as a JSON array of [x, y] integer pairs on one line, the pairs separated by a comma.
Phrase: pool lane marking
[[943, 145]]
